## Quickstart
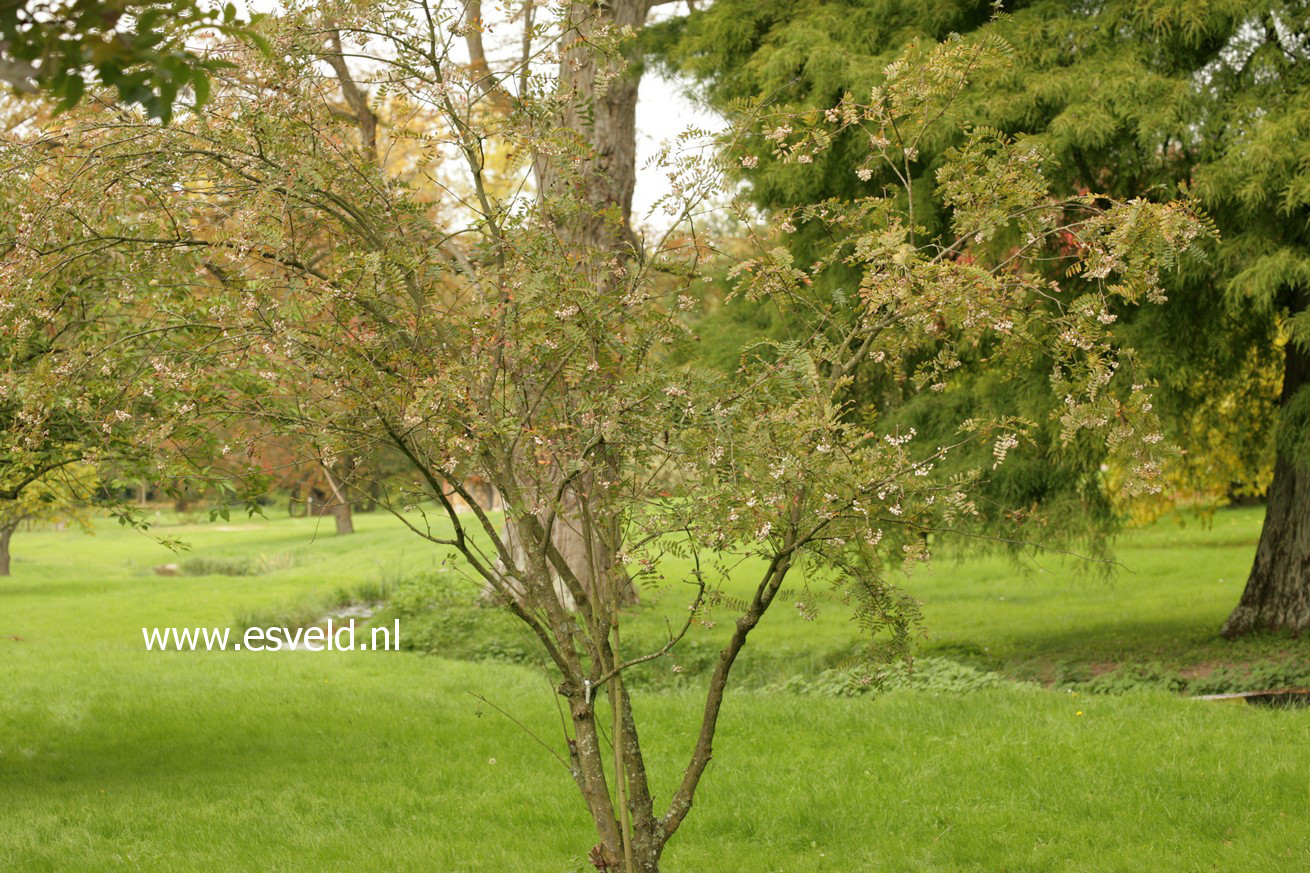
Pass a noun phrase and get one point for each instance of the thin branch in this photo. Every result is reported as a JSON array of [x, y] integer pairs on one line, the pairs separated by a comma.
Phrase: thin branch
[[525, 729]]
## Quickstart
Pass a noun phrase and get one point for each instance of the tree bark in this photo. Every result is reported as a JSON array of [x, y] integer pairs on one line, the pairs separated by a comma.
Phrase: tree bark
[[1277, 595], [5, 534], [340, 504], [344, 518], [606, 119]]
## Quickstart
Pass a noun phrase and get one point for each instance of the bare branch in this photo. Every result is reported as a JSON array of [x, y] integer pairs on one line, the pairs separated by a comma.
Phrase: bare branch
[[364, 115]]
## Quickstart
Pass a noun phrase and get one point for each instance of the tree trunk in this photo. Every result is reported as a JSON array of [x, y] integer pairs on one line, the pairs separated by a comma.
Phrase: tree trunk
[[588, 765], [606, 119], [340, 504], [345, 520], [1277, 595], [296, 507], [5, 534]]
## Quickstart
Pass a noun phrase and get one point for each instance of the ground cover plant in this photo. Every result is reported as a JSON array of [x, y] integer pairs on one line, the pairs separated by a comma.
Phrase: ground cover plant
[[117, 758]]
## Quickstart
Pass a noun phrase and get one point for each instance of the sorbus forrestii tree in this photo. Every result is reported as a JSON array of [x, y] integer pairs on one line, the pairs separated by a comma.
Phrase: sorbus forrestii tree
[[500, 328]]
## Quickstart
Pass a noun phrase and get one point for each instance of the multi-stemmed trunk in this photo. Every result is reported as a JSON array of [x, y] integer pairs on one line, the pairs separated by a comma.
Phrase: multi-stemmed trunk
[[631, 837], [584, 537], [646, 832], [1277, 595]]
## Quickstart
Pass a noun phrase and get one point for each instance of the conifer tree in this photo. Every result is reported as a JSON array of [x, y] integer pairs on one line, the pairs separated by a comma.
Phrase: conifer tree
[[1129, 98]]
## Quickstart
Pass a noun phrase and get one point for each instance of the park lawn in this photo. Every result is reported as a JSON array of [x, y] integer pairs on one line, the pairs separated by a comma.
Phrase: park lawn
[[115, 758], [1177, 582], [1042, 617]]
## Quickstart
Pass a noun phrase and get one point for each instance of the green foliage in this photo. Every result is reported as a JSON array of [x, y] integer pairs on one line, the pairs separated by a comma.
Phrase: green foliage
[[442, 617], [1294, 427], [1128, 98], [932, 675], [1220, 679], [63, 495], [219, 565], [137, 47]]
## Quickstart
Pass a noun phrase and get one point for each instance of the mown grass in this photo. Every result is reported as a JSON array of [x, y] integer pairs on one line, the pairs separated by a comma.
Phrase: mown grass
[[113, 758], [1045, 618]]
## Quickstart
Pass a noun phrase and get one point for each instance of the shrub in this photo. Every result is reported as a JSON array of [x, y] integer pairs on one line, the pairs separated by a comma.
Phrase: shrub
[[936, 675], [238, 565]]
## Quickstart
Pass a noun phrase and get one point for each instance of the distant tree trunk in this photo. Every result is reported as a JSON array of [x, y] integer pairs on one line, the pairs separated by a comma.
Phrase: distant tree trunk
[[1277, 595], [345, 519], [297, 507], [5, 533], [340, 504]]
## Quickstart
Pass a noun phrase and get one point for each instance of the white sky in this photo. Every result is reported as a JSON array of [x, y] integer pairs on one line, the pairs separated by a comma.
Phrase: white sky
[[664, 107]]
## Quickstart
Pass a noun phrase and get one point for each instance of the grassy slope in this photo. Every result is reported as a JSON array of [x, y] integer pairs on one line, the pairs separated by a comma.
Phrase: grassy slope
[[1046, 619], [114, 758]]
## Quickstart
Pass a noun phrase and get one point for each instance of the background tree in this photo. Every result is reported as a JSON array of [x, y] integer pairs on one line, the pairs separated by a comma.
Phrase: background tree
[[481, 336], [60, 497], [596, 103], [1131, 99], [84, 364]]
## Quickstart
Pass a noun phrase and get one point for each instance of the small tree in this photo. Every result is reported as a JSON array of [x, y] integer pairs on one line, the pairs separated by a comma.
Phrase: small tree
[[56, 498], [477, 336]]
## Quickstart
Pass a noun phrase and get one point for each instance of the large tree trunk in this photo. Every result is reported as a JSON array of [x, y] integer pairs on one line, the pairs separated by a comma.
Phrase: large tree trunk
[[1277, 595], [606, 119], [5, 534]]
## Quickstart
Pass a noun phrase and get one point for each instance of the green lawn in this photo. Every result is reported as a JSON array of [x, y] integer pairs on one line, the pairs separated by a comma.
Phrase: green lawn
[[112, 758]]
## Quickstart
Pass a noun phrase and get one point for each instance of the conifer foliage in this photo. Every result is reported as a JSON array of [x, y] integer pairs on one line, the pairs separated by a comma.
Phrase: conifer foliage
[[1129, 98]]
